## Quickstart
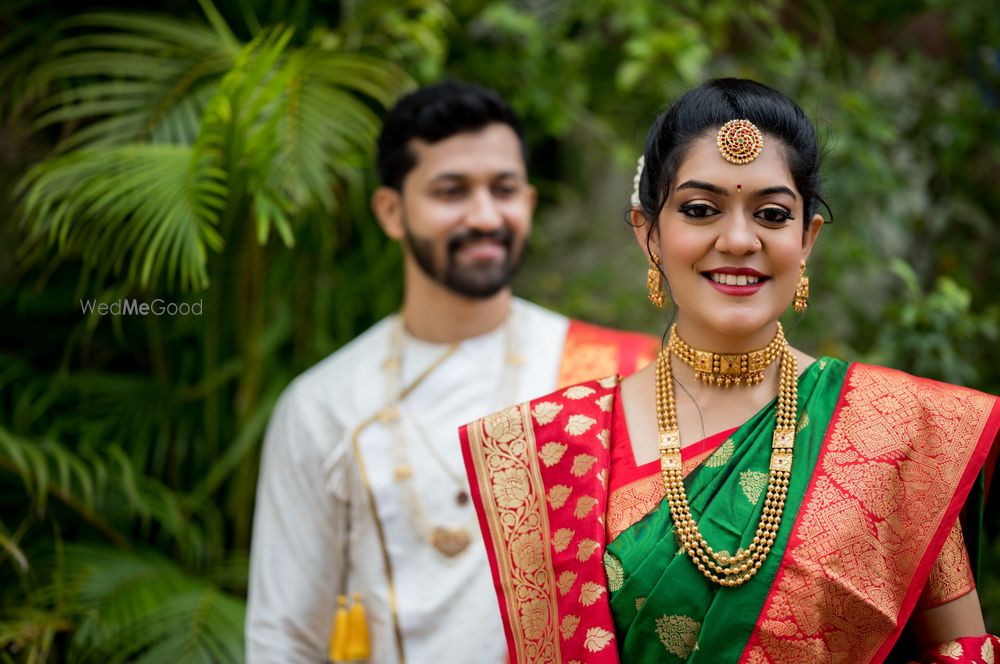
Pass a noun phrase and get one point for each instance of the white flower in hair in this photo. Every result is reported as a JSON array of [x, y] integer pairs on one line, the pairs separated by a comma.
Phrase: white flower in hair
[[635, 181]]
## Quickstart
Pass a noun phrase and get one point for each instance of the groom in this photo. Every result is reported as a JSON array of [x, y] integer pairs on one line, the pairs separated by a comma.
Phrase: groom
[[362, 490]]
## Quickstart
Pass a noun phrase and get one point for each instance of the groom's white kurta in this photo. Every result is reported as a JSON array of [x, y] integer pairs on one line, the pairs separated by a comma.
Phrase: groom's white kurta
[[314, 535]]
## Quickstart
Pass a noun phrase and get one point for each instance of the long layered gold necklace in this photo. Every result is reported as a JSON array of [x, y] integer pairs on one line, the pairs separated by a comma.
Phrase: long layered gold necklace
[[721, 568]]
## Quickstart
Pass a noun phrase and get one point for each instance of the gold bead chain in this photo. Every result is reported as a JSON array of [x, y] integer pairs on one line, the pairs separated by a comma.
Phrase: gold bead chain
[[725, 370], [727, 570]]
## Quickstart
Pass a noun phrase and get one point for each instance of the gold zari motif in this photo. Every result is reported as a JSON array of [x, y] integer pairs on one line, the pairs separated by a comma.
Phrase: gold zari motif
[[678, 634], [504, 444], [951, 577], [896, 451], [628, 504], [614, 571]]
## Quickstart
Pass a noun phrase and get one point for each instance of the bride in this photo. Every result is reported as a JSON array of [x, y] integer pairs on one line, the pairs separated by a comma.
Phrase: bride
[[737, 500]]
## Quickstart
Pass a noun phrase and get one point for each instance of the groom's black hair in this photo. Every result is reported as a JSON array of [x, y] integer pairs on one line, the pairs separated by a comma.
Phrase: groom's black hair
[[434, 113]]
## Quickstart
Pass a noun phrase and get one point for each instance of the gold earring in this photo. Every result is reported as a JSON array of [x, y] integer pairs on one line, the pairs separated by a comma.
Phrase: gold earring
[[801, 302], [653, 283]]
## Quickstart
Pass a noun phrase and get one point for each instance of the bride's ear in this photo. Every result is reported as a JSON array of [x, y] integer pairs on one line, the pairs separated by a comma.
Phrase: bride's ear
[[641, 229]]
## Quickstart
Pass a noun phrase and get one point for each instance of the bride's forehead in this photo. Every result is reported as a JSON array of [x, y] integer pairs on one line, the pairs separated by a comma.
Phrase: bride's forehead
[[703, 161]]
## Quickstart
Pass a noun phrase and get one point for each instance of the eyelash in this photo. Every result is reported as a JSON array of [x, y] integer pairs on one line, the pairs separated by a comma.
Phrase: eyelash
[[704, 211], [786, 216]]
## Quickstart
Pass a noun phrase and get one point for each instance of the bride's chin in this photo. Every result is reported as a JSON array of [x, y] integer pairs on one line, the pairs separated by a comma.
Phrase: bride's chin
[[732, 325]]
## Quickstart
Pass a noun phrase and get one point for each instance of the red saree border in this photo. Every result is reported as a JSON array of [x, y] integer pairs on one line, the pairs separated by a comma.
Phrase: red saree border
[[951, 575], [538, 475], [519, 487], [636, 490], [591, 351], [977, 459], [626, 471], [900, 452], [991, 464]]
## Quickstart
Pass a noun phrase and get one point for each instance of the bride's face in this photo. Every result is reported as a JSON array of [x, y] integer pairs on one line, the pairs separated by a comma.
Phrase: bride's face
[[731, 238]]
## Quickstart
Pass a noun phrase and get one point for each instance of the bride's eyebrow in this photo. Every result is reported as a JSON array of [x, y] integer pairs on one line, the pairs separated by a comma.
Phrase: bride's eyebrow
[[705, 186], [777, 189]]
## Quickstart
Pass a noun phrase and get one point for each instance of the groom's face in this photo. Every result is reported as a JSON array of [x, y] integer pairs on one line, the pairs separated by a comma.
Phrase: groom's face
[[466, 210]]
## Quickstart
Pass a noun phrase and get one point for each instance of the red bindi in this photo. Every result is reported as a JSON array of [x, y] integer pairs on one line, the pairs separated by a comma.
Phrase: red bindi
[[739, 187]]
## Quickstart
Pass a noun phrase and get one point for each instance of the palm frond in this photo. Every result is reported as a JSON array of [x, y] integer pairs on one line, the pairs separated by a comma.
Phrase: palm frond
[[10, 545], [152, 207], [142, 608], [31, 633], [134, 69], [313, 131], [105, 490]]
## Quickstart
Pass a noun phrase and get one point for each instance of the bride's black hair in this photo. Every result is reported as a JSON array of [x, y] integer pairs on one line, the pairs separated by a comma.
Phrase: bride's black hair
[[707, 108]]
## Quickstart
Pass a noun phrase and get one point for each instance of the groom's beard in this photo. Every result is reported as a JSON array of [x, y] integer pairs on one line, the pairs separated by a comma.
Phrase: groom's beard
[[478, 280]]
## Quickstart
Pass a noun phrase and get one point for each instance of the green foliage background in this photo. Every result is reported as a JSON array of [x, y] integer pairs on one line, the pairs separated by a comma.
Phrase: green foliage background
[[221, 154]]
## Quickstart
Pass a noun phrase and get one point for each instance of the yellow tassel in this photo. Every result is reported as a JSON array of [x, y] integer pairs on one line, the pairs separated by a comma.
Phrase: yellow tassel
[[357, 647], [338, 640]]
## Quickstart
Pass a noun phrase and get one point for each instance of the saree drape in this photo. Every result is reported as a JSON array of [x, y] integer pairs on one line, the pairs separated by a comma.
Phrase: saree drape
[[587, 568]]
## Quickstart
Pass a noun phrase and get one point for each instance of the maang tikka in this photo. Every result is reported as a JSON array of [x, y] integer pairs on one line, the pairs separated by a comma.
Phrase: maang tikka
[[739, 141], [801, 302]]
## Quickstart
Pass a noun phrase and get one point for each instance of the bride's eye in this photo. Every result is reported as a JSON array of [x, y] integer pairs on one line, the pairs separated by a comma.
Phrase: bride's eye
[[774, 215], [698, 210]]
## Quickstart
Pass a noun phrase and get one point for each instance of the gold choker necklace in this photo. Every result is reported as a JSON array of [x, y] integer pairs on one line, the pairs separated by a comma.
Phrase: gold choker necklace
[[724, 370], [720, 567]]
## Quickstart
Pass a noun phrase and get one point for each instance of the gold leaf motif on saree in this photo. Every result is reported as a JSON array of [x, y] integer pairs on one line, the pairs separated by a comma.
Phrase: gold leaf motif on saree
[[578, 392], [803, 422], [504, 426], [569, 625], [546, 411], [639, 603], [988, 653], [721, 456], [558, 495], [951, 649], [585, 549], [582, 463], [579, 424], [561, 539], [511, 487], [753, 483], [583, 506], [604, 438], [590, 592], [614, 571], [597, 639], [551, 453], [566, 581], [605, 402], [527, 552], [678, 634], [609, 381], [534, 617]]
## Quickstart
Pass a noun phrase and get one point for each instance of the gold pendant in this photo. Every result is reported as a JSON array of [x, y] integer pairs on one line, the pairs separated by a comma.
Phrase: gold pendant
[[450, 541]]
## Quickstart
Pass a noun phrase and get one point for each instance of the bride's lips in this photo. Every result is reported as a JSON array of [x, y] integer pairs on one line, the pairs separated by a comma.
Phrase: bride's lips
[[735, 280]]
